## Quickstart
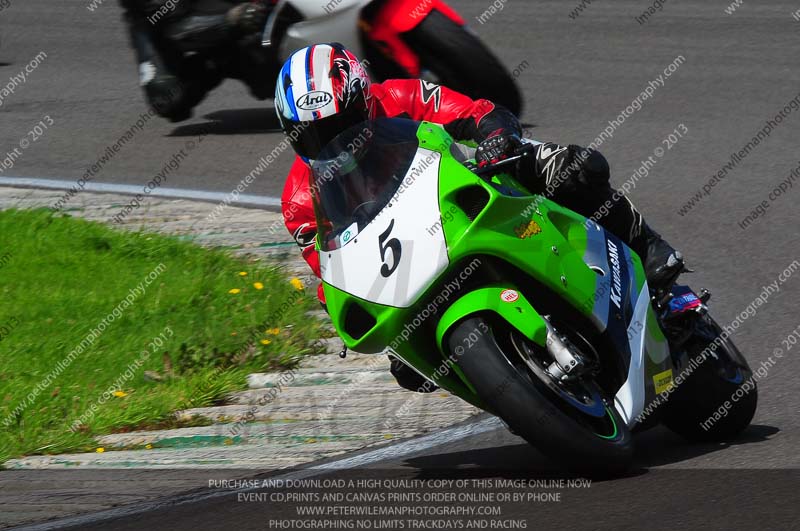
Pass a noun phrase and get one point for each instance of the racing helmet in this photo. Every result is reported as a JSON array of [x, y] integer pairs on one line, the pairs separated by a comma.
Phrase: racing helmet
[[321, 91]]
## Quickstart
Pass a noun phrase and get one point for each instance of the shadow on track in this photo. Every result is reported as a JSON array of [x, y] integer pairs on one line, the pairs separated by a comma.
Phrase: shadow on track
[[233, 122], [662, 447], [654, 448]]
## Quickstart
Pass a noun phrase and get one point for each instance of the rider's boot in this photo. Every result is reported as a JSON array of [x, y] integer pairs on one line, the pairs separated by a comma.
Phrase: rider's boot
[[662, 263], [410, 379]]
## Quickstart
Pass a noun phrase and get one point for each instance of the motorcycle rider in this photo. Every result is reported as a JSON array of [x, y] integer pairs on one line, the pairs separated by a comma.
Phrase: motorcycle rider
[[185, 48], [580, 175]]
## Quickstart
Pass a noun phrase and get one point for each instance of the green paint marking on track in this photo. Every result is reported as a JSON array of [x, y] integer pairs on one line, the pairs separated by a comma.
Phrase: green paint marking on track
[[196, 441], [278, 244]]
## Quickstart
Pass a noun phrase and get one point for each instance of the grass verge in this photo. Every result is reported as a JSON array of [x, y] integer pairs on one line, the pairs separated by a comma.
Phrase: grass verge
[[104, 330]]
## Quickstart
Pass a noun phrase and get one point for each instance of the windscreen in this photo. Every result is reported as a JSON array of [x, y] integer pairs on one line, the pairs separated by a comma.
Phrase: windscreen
[[357, 174]]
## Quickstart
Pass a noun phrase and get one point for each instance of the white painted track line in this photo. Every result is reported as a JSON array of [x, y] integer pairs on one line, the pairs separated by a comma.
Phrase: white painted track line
[[394, 451], [128, 189]]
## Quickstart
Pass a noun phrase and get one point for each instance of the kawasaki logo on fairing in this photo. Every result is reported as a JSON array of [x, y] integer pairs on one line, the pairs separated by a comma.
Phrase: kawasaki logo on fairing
[[616, 275]]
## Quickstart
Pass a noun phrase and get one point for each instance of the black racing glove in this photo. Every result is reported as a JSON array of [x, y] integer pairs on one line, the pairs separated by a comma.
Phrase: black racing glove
[[496, 147], [248, 20]]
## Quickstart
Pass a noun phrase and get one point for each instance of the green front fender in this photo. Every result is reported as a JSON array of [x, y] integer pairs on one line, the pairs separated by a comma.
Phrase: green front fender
[[518, 313]]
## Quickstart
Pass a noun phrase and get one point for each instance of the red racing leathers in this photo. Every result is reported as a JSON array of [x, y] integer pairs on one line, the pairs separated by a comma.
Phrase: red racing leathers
[[462, 117]]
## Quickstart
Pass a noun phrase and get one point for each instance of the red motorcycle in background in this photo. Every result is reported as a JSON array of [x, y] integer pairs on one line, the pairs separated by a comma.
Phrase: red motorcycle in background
[[398, 38]]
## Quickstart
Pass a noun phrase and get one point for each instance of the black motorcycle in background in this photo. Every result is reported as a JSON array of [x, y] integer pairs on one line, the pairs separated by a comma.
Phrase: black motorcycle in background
[[186, 48]]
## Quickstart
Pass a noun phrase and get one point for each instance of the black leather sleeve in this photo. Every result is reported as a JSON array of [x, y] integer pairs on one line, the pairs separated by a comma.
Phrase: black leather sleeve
[[186, 25], [199, 32]]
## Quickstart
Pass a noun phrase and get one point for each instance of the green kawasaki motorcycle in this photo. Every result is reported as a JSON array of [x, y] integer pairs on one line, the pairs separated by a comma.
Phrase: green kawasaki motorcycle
[[515, 304]]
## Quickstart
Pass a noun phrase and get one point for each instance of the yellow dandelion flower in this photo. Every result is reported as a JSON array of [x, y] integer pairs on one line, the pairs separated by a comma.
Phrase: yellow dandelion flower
[[273, 331], [148, 446], [100, 450], [265, 341], [242, 273], [234, 291], [120, 394], [388, 436], [228, 441], [258, 285], [297, 283]]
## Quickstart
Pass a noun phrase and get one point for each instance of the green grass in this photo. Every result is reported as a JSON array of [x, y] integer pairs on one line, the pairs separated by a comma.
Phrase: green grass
[[60, 277]]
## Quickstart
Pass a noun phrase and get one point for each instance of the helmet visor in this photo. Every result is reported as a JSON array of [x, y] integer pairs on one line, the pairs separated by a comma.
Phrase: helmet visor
[[308, 138]]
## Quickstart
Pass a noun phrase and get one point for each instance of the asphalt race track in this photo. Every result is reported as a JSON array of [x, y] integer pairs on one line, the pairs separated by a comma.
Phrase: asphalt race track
[[738, 71]]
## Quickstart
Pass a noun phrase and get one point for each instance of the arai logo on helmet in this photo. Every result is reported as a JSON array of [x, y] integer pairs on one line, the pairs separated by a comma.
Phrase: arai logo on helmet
[[313, 100]]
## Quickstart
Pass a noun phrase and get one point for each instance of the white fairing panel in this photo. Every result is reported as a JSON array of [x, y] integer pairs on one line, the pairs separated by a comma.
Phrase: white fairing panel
[[326, 9], [630, 397], [414, 218], [325, 21]]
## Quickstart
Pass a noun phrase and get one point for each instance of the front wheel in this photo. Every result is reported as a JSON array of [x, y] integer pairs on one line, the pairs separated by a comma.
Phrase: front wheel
[[569, 421], [718, 399]]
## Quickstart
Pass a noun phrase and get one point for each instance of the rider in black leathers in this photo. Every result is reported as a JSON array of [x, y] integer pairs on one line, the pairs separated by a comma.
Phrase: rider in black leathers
[[185, 48]]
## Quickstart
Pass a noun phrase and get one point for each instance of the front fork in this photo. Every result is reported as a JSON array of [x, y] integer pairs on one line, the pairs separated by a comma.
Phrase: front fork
[[566, 361], [511, 306]]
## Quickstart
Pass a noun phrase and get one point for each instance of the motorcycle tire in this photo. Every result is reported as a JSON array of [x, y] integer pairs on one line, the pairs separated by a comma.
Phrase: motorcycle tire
[[460, 61], [723, 376], [529, 406]]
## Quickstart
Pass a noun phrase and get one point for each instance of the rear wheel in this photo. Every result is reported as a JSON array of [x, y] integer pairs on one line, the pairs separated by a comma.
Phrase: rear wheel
[[460, 61], [568, 420], [719, 398]]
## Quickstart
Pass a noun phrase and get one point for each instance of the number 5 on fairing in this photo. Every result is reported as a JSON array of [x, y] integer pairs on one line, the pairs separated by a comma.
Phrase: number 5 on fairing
[[394, 245]]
